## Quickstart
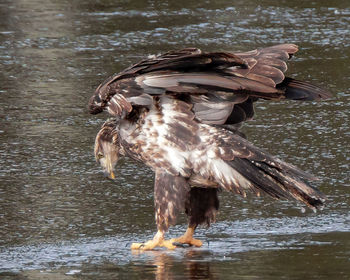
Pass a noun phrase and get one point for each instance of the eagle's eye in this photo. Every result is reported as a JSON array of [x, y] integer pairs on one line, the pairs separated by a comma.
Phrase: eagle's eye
[[99, 155]]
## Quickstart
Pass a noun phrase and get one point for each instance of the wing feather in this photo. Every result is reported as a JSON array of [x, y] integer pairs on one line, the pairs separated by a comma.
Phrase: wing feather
[[268, 62], [238, 166], [217, 78]]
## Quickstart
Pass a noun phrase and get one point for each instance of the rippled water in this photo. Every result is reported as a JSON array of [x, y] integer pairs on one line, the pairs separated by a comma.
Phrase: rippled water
[[60, 218]]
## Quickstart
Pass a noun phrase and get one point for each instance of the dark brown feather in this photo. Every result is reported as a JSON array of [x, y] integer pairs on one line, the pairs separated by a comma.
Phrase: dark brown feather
[[202, 205]]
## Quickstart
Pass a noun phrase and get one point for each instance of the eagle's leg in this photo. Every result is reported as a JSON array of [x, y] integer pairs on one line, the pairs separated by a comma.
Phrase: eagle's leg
[[187, 238], [201, 207], [169, 194], [157, 241]]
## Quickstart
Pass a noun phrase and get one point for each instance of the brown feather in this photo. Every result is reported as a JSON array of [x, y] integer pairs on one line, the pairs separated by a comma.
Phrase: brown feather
[[202, 205]]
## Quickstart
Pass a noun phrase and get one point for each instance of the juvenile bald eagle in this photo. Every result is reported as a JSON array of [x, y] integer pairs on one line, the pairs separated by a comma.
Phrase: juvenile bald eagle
[[179, 113]]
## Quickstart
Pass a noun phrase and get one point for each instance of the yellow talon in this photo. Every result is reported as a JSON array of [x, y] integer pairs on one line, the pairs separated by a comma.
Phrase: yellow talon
[[157, 241], [187, 238]]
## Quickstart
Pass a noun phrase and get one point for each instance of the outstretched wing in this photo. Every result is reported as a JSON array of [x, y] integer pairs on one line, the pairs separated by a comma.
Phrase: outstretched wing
[[221, 86]]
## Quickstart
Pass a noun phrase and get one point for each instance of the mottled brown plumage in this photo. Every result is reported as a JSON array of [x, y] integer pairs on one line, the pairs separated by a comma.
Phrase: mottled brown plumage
[[179, 114]]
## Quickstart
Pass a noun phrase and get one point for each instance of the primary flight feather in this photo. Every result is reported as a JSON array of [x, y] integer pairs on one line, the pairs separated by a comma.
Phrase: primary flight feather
[[180, 113]]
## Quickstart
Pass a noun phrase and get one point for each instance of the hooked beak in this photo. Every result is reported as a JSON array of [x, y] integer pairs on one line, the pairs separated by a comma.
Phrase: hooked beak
[[109, 168], [111, 175]]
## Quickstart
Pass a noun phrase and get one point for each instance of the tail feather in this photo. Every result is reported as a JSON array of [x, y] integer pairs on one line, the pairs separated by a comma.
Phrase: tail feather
[[285, 183], [241, 147], [296, 187], [241, 167], [258, 178]]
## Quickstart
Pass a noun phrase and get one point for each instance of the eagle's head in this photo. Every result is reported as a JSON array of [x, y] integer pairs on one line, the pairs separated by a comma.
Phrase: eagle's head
[[107, 147]]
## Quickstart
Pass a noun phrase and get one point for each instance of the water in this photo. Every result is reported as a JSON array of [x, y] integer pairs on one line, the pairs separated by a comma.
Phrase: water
[[61, 219]]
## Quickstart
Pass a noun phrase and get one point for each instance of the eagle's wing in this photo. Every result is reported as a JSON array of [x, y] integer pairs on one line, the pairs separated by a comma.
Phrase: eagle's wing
[[221, 86]]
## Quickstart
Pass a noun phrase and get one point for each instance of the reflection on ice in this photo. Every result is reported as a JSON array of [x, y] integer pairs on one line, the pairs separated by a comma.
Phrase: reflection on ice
[[221, 242]]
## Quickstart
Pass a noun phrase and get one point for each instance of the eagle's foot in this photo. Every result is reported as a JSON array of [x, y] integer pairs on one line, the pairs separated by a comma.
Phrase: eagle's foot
[[184, 240], [157, 241], [151, 244], [187, 238]]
